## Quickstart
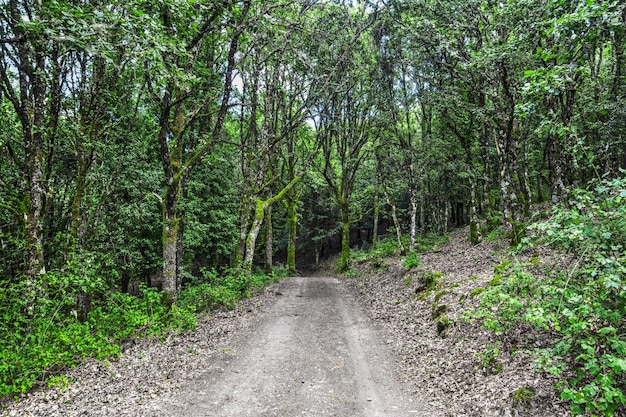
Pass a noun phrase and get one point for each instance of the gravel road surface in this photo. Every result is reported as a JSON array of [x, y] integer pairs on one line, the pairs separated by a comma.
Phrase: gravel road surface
[[313, 353]]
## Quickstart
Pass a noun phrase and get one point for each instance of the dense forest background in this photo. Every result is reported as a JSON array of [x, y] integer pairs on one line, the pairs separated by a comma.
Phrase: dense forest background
[[170, 143]]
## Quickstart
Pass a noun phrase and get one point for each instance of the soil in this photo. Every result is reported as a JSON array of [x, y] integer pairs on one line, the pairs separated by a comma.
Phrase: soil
[[451, 367], [323, 346]]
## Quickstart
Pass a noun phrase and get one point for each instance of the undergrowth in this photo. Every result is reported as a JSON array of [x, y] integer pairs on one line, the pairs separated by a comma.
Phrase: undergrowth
[[583, 305], [44, 334], [388, 246]]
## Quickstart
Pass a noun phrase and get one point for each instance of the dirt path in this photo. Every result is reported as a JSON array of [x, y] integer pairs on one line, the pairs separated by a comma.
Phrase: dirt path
[[312, 354], [302, 348]]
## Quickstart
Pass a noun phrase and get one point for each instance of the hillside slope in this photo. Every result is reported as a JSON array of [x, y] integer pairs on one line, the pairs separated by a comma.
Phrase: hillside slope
[[455, 363]]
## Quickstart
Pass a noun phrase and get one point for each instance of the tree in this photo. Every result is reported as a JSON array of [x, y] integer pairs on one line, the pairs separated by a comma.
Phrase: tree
[[29, 55], [187, 82], [345, 133]]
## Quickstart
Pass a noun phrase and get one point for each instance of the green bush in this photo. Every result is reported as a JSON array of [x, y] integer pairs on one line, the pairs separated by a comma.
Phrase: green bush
[[584, 306], [41, 340], [43, 337], [412, 260]]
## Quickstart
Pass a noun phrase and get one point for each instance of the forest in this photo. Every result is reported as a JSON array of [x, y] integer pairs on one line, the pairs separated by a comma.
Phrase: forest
[[164, 157]]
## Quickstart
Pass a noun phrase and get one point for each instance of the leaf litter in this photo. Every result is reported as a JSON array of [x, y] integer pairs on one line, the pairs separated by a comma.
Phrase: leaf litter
[[458, 370]]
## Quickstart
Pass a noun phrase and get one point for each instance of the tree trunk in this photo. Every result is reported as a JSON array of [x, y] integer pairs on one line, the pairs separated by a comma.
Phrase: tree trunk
[[244, 223], [269, 241], [292, 224], [345, 236], [475, 235], [506, 189], [413, 233], [170, 250], [396, 223], [376, 212], [259, 214], [180, 250], [35, 264]]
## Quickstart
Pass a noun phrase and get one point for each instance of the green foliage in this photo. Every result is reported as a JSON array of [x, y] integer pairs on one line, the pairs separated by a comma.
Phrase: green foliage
[[441, 294], [388, 246], [412, 260], [211, 208], [384, 248], [428, 282], [583, 306], [213, 291], [476, 291], [42, 341], [488, 360], [431, 241], [523, 396]]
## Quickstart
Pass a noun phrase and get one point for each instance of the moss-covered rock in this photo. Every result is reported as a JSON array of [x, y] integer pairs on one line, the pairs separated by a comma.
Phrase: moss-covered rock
[[427, 282]]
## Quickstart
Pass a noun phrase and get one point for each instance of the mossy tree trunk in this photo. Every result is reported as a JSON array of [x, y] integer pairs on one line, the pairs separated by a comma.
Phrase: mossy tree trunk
[[179, 108], [29, 58], [260, 210], [170, 251], [292, 226], [344, 261], [269, 241]]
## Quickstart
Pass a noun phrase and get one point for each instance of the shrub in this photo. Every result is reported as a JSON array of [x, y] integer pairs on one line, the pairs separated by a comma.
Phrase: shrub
[[412, 260], [584, 306]]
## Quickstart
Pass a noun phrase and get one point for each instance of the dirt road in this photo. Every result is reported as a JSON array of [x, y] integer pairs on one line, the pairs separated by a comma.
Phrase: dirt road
[[311, 354]]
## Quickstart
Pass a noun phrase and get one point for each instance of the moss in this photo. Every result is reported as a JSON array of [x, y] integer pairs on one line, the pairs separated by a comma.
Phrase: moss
[[474, 233], [440, 294], [476, 291], [408, 280], [462, 298], [523, 396], [438, 310], [498, 368], [428, 283], [473, 278], [495, 281], [443, 322]]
